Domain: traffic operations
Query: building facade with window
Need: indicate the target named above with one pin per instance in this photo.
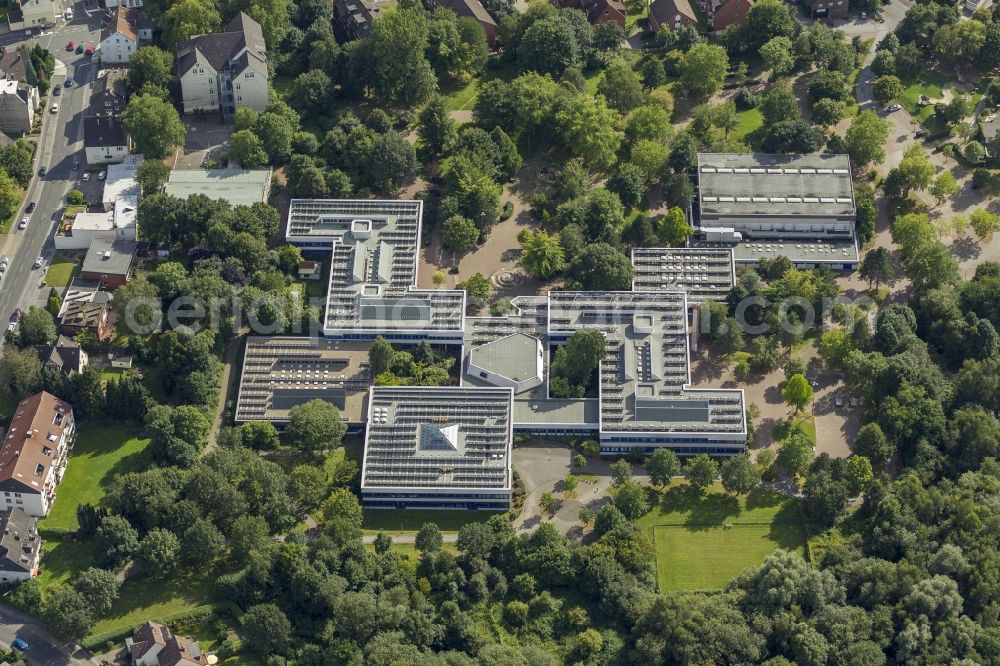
(34, 451)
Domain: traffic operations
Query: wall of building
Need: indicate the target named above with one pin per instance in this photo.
(81, 238)
(498, 500)
(200, 90)
(106, 154)
(16, 115)
(39, 12)
(117, 49)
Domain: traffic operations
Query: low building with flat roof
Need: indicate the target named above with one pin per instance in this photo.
(109, 261)
(700, 273)
(374, 246)
(78, 231)
(515, 361)
(120, 182)
(239, 187)
(280, 372)
(438, 448)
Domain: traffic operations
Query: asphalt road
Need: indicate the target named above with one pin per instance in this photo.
(60, 144)
(43, 649)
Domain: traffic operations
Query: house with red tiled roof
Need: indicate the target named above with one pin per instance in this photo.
(154, 645)
(671, 15)
(597, 11)
(729, 12)
(124, 30)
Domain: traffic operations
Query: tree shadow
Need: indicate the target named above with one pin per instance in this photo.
(965, 248)
(703, 510)
(760, 498)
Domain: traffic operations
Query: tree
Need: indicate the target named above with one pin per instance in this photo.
(246, 150)
(877, 267)
(460, 234)
(99, 589)
(203, 543)
(777, 55)
(150, 65)
(793, 137)
(768, 19)
(396, 51)
(187, 18)
(865, 139)
(630, 499)
(390, 162)
(158, 552)
(153, 124)
(66, 612)
(700, 471)
(797, 392)
(887, 88)
(621, 471)
(550, 45)
(608, 518)
(152, 176)
(581, 355)
(673, 228)
(795, 453)
(548, 502)
(379, 356)
(437, 129)
(570, 484)
(984, 223)
(541, 253)
(266, 629)
(20, 372)
(628, 182)
(621, 87)
(916, 167)
(259, 435)
(779, 103)
(308, 486)
(859, 473)
(477, 287)
(600, 267)
(827, 111)
(315, 426)
(943, 187)
(739, 475)
(588, 128)
(703, 69)
(662, 466)
(37, 327)
(116, 540)
(932, 266)
(428, 539)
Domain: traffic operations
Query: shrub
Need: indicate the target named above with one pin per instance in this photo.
(746, 99)
(74, 198)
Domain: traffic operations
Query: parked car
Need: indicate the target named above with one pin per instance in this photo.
(76, 165)
(89, 50)
(43, 170)
(86, 176)
(15, 316)
(20, 643)
(23, 224)
(54, 108)
(57, 90)
(893, 108)
(11, 328)
(839, 402)
(69, 14)
(919, 133)
(102, 175)
(69, 82)
(30, 208)
(70, 46)
(79, 48)
(38, 262)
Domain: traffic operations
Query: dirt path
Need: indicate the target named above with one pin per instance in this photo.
(229, 385)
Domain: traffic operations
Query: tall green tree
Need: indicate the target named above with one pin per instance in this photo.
(153, 125)
(315, 426)
(541, 253)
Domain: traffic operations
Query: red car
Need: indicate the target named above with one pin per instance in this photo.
(89, 50)
(16, 316)
(70, 46)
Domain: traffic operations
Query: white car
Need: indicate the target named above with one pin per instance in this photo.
(54, 108)
(894, 108)
(69, 14)
(38, 262)
(11, 327)
(86, 176)
(102, 175)
(23, 224)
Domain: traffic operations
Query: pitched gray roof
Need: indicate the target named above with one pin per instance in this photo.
(216, 50)
(103, 131)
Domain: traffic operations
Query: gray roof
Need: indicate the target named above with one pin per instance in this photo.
(19, 540)
(515, 357)
(217, 50)
(103, 131)
(441, 438)
(801, 251)
(280, 372)
(373, 266)
(109, 256)
(701, 273)
(110, 93)
(471, 8)
(240, 187)
(735, 185)
(64, 355)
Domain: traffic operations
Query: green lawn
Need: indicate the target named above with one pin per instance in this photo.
(61, 271)
(102, 453)
(694, 548)
(460, 96)
(707, 559)
(396, 522)
(750, 121)
(927, 82)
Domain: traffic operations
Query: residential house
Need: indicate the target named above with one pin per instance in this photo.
(125, 28)
(33, 453)
(153, 644)
(827, 9)
(597, 11)
(725, 13)
(471, 9)
(353, 18)
(34, 14)
(20, 545)
(104, 140)
(109, 262)
(64, 355)
(109, 96)
(120, 358)
(77, 231)
(224, 71)
(18, 104)
(13, 64)
(86, 308)
(310, 270)
(671, 15)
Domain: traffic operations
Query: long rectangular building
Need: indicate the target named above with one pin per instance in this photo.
(438, 448)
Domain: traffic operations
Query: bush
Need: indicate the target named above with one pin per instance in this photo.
(74, 198)
(746, 99)
(508, 210)
(980, 178)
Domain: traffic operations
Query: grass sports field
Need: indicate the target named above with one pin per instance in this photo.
(704, 540)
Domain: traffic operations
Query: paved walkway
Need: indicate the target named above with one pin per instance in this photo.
(229, 383)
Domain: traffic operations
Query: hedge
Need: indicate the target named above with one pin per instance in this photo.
(98, 641)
